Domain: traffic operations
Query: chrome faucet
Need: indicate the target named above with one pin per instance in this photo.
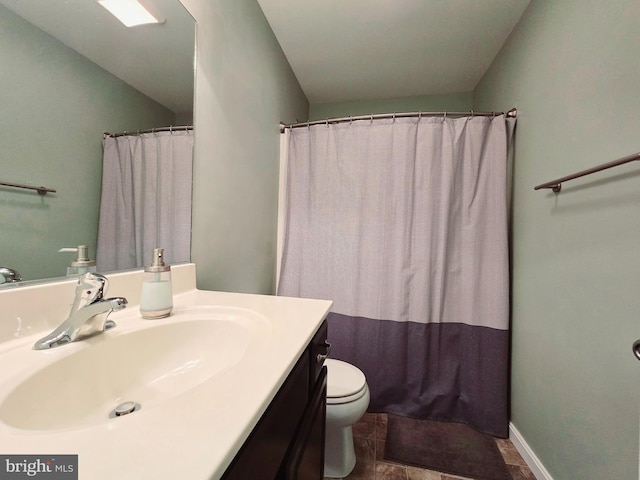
(88, 315)
(10, 275)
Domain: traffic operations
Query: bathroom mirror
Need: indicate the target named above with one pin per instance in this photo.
(70, 72)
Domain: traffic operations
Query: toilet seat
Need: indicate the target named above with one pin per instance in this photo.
(345, 382)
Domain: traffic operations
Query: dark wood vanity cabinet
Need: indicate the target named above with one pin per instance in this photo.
(288, 441)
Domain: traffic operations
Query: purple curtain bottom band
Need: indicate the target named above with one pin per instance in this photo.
(439, 371)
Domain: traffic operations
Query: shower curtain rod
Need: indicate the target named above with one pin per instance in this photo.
(511, 114)
(151, 130)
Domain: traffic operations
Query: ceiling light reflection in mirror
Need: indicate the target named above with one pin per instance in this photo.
(131, 12)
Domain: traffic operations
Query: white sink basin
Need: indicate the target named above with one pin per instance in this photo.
(149, 363)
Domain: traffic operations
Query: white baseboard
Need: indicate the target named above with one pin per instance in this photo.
(534, 463)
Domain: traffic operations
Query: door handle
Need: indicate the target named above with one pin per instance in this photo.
(321, 357)
(636, 349)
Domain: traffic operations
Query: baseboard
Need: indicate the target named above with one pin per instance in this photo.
(534, 463)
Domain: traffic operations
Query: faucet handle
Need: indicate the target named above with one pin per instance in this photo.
(91, 288)
(9, 275)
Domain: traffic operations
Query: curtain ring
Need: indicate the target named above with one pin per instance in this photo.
(419, 115)
(372, 119)
(445, 116)
(471, 113)
(170, 129)
(327, 122)
(350, 120)
(308, 126)
(394, 117)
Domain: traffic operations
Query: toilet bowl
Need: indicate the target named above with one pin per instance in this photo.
(347, 401)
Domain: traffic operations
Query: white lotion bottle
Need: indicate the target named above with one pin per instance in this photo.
(156, 300)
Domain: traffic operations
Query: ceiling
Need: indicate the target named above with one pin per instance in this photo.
(339, 50)
(350, 50)
(136, 55)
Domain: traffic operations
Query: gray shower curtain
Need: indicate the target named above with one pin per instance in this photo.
(403, 224)
(146, 199)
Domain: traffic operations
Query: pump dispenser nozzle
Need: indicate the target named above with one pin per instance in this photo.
(157, 263)
(82, 264)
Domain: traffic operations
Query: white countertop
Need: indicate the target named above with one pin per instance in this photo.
(193, 435)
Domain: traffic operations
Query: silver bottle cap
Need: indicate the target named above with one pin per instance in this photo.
(157, 264)
(83, 257)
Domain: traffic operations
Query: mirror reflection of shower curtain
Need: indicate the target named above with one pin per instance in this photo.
(146, 199)
(403, 224)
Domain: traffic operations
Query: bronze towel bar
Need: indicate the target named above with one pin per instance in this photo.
(556, 185)
(40, 190)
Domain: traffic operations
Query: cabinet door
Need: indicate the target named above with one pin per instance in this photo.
(306, 460)
(261, 456)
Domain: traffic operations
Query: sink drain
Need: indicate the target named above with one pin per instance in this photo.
(125, 409)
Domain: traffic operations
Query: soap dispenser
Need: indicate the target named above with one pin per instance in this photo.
(156, 300)
(81, 264)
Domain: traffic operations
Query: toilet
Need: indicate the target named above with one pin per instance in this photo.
(347, 401)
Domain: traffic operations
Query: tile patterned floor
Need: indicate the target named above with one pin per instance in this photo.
(369, 436)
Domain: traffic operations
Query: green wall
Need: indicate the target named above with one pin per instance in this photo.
(572, 69)
(54, 107)
(244, 88)
(455, 102)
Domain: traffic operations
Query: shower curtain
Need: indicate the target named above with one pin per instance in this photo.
(403, 224)
(146, 199)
